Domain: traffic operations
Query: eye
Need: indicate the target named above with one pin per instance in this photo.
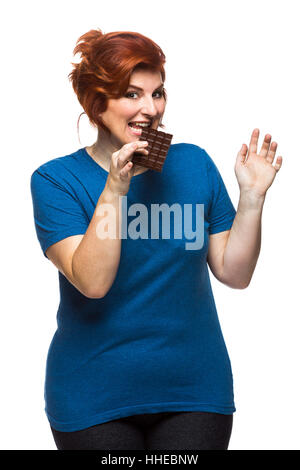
(130, 93)
(135, 93)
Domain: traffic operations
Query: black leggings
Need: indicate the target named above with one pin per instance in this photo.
(188, 430)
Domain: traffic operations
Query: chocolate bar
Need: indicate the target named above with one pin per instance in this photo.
(158, 146)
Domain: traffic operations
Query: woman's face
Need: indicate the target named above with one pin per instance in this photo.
(143, 101)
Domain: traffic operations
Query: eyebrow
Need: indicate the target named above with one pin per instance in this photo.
(141, 89)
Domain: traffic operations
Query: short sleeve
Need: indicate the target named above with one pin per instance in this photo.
(221, 210)
(57, 213)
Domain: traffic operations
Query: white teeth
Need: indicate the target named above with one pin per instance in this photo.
(141, 124)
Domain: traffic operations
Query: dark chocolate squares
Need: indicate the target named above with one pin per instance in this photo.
(158, 146)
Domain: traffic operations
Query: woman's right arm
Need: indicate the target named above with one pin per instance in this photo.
(96, 260)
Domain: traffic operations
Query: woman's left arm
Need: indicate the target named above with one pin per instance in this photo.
(255, 174)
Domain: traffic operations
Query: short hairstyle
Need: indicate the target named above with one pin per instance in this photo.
(107, 61)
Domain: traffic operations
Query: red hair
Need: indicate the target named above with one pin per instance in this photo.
(107, 61)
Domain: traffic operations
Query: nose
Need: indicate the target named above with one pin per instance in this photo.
(149, 106)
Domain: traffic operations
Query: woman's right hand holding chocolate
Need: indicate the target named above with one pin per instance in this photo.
(121, 167)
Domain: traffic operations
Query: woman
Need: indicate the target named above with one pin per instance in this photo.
(138, 360)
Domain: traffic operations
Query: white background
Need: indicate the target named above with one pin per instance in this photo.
(231, 66)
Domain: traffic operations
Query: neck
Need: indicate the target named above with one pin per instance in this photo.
(103, 148)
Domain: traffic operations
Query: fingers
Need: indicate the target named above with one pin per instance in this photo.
(253, 141)
(124, 173)
(271, 152)
(123, 157)
(278, 163)
(125, 154)
(265, 146)
(243, 153)
(268, 150)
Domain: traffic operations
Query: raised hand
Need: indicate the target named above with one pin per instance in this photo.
(256, 172)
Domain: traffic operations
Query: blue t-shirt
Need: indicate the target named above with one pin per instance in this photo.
(153, 343)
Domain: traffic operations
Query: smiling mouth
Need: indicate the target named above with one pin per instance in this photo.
(135, 129)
